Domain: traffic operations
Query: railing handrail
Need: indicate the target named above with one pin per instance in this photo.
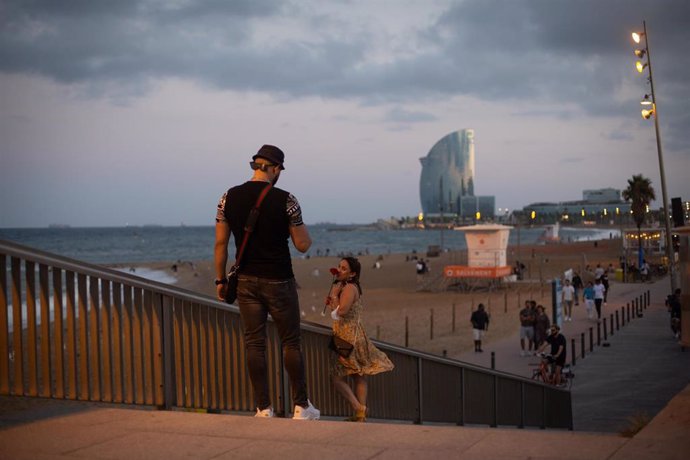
(38, 256)
(186, 326)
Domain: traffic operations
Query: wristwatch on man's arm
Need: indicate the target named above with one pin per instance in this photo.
(221, 281)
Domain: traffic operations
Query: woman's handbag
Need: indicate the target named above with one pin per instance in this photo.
(340, 346)
(231, 286)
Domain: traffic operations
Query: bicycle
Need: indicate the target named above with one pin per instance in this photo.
(543, 372)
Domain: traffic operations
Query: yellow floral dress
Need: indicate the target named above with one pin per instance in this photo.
(365, 358)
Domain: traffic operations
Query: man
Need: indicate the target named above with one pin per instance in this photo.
(558, 352)
(644, 271)
(568, 295)
(674, 309)
(527, 317)
(599, 293)
(578, 285)
(480, 323)
(266, 283)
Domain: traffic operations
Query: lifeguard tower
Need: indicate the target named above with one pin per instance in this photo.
(486, 257)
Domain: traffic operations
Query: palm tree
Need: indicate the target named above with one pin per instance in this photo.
(640, 192)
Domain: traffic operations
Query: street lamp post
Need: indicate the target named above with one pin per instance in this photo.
(655, 113)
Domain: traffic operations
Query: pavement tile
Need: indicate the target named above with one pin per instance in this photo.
(536, 444)
(51, 437)
(169, 446)
(237, 425)
(300, 450)
(415, 436)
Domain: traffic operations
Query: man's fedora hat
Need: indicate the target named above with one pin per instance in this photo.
(272, 154)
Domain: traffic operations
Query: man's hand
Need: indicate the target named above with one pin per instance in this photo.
(220, 291)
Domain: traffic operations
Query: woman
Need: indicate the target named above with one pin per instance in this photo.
(588, 295)
(345, 301)
(599, 296)
(541, 327)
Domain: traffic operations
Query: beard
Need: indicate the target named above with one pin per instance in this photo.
(275, 179)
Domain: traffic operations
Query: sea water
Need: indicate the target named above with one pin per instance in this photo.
(134, 245)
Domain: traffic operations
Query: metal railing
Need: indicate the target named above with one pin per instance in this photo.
(73, 330)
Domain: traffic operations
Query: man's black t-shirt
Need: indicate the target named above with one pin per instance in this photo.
(556, 342)
(267, 254)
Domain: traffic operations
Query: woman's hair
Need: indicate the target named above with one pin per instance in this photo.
(356, 268)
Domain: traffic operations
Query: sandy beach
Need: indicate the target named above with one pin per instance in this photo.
(392, 293)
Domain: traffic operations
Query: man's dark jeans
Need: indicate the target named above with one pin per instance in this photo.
(257, 297)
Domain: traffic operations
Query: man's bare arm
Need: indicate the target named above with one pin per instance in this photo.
(220, 255)
(300, 237)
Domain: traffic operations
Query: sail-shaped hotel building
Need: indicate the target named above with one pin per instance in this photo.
(447, 180)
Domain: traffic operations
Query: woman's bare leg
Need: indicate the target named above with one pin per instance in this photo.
(344, 389)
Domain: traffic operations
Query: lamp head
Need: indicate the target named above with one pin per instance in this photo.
(640, 53)
(637, 36)
(640, 66)
(647, 113)
(646, 100)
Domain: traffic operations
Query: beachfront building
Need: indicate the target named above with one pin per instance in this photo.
(600, 205)
(447, 181)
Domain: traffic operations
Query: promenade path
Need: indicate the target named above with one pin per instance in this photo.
(636, 376)
(643, 370)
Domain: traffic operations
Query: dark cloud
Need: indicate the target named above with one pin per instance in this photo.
(570, 53)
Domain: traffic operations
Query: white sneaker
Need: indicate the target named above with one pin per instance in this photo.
(306, 413)
(266, 413)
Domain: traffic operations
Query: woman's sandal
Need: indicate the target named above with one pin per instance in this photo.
(360, 416)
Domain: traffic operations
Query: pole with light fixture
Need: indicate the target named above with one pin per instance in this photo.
(646, 113)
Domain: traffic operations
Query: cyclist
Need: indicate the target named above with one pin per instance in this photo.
(558, 352)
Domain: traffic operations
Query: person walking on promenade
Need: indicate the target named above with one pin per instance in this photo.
(599, 293)
(578, 285)
(541, 326)
(568, 296)
(266, 283)
(526, 328)
(674, 308)
(605, 283)
(345, 301)
(480, 324)
(644, 271)
(588, 297)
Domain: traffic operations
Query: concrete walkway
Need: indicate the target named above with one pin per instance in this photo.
(643, 371)
(634, 377)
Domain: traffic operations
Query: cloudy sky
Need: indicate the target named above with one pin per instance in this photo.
(146, 111)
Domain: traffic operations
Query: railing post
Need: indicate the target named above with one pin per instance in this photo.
(522, 405)
(598, 334)
(617, 323)
(420, 398)
(605, 329)
(462, 396)
(582, 344)
(167, 348)
(494, 418)
(611, 323)
(572, 344)
(591, 339)
(453, 323)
